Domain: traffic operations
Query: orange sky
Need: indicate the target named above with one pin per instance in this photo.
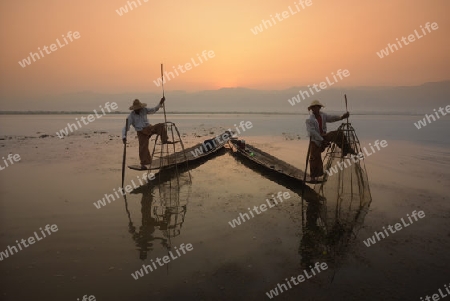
(123, 53)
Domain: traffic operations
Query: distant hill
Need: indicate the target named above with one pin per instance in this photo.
(404, 99)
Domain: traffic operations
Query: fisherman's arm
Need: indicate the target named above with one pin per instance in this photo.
(156, 109)
(334, 118)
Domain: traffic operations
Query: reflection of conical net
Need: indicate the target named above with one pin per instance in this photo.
(170, 204)
(344, 195)
(169, 155)
(162, 210)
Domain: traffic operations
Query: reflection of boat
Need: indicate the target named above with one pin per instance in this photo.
(163, 209)
(281, 179)
(266, 160)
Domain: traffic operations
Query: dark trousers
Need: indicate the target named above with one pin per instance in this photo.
(315, 156)
(144, 137)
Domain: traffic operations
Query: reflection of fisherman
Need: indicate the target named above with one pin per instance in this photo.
(316, 125)
(138, 119)
(313, 238)
(144, 238)
(327, 234)
(317, 241)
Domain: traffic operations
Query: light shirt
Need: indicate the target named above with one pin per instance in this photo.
(139, 121)
(312, 126)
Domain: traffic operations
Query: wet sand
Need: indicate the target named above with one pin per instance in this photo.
(95, 250)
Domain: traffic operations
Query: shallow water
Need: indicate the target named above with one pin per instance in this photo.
(95, 250)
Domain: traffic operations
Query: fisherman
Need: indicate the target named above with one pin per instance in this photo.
(138, 118)
(316, 125)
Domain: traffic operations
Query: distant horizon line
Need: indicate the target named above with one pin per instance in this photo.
(15, 112)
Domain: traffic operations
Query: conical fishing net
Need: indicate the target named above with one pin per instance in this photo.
(343, 198)
(344, 194)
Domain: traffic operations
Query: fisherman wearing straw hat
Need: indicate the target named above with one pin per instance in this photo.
(138, 118)
(316, 125)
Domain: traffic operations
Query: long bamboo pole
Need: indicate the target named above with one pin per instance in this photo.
(124, 152)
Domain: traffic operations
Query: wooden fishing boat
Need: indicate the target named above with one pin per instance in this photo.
(265, 160)
(199, 151)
